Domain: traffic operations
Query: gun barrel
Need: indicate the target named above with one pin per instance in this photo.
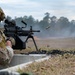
(27, 32)
(35, 31)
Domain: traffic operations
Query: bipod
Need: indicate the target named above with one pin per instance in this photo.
(30, 36)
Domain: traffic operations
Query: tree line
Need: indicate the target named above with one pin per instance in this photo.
(50, 26)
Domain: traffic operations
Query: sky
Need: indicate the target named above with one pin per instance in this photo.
(38, 8)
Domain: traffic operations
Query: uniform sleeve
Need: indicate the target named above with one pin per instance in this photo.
(10, 51)
(2, 40)
(6, 52)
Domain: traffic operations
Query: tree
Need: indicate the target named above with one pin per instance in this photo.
(63, 22)
(45, 22)
(47, 17)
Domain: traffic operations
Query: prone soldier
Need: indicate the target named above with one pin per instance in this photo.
(6, 50)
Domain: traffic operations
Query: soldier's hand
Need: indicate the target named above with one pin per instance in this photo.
(8, 43)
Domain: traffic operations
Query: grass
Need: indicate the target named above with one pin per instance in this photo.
(57, 65)
(62, 61)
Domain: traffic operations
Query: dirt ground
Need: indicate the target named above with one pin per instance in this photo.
(51, 43)
(57, 43)
(58, 64)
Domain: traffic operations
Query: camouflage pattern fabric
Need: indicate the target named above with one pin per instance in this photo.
(2, 40)
(4, 58)
(4, 54)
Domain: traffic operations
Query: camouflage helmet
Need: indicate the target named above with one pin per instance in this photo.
(2, 15)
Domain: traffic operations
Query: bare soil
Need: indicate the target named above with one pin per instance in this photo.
(49, 44)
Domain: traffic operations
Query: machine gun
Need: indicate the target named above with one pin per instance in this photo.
(11, 30)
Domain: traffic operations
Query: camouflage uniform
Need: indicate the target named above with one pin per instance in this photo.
(2, 15)
(6, 52)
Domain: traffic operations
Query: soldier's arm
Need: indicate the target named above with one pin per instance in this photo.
(9, 48)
